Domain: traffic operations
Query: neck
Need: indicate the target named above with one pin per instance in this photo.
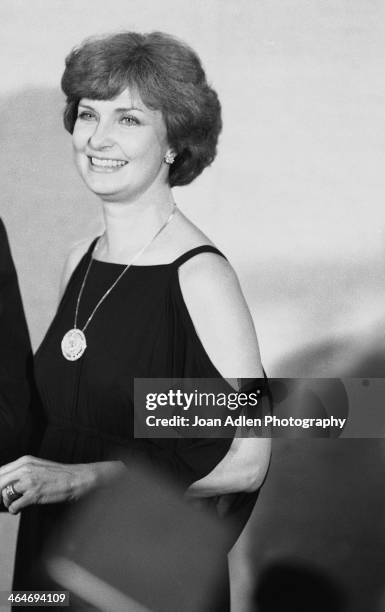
(129, 226)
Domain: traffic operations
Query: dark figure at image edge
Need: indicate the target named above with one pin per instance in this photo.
(15, 360)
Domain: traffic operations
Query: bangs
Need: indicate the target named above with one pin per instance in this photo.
(102, 78)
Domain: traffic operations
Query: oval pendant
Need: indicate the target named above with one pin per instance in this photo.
(73, 344)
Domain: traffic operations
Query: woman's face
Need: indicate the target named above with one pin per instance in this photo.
(119, 147)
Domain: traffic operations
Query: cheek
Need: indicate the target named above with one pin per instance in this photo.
(79, 159)
(143, 144)
(80, 137)
(76, 143)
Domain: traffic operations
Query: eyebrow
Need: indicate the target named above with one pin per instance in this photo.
(116, 110)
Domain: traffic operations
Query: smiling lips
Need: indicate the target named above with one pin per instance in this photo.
(107, 165)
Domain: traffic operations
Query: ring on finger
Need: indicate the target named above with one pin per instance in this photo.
(11, 493)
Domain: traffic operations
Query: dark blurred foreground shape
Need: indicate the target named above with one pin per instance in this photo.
(316, 539)
(292, 587)
(137, 546)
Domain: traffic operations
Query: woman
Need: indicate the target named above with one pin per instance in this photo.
(151, 297)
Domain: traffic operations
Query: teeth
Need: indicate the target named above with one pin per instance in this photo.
(107, 163)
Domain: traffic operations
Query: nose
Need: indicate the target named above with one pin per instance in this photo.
(101, 137)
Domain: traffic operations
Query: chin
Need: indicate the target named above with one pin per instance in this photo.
(111, 197)
(107, 194)
(102, 188)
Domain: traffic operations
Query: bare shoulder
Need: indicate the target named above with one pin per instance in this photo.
(74, 256)
(210, 271)
(183, 235)
(218, 309)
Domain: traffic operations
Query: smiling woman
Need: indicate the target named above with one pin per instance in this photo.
(143, 119)
(163, 74)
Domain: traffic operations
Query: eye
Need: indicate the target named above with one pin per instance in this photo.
(86, 115)
(129, 120)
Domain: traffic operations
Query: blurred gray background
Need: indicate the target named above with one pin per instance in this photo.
(296, 201)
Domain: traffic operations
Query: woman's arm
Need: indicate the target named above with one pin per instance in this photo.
(221, 316)
(223, 322)
(243, 468)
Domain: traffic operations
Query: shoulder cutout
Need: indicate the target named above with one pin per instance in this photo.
(222, 320)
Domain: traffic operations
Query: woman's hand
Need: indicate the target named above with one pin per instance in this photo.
(39, 481)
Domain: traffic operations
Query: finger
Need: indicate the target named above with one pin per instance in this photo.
(4, 497)
(6, 500)
(24, 466)
(14, 476)
(26, 460)
(23, 462)
(29, 481)
(26, 500)
(35, 469)
(8, 467)
(10, 494)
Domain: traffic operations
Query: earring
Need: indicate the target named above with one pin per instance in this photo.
(169, 158)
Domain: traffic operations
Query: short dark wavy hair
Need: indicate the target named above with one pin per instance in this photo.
(168, 76)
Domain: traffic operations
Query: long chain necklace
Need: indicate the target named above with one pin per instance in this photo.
(74, 341)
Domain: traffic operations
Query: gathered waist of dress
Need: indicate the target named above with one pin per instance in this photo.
(64, 425)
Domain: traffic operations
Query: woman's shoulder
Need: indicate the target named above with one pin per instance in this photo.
(185, 239)
(77, 251)
(213, 296)
(75, 254)
(214, 299)
(196, 255)
(202, 268)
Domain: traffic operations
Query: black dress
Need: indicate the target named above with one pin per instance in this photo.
(142, 329)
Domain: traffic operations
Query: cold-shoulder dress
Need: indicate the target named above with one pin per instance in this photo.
(142, 329)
